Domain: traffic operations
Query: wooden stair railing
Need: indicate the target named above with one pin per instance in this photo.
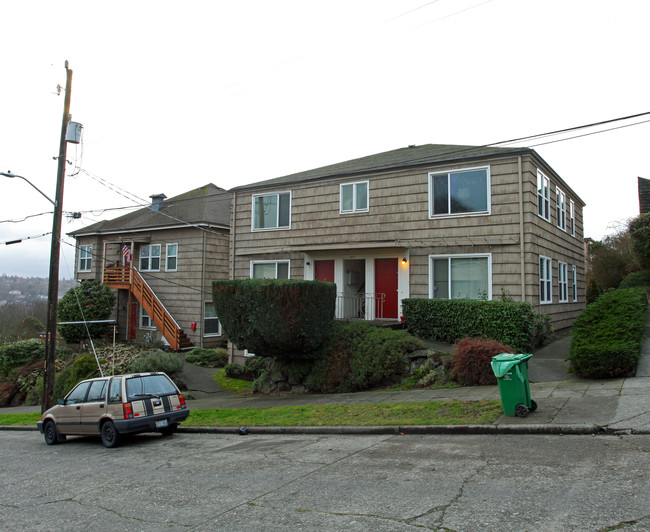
(130, 278)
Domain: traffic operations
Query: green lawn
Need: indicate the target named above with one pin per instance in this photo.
(429, 413)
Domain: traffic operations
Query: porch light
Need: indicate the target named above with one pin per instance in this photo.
(404, 261)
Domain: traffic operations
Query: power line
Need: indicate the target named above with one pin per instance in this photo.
(25, 218)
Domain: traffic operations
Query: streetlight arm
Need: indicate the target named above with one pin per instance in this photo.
(9, 174)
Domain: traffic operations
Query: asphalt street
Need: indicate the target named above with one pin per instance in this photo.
(326, 482)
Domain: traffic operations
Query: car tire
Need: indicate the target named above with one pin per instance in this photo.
(169, 430)
(51, 434)
(109, 434)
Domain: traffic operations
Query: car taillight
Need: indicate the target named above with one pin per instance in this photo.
(182, 400)
(128, 410)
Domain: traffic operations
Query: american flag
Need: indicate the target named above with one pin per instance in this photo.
(126, 252)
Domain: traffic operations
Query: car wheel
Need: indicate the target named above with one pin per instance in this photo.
(169, 430)
(52, 436)
(110, 436)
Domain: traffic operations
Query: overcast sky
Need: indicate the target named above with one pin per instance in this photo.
(175, 95)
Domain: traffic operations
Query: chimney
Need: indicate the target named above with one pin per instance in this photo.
(157, 201)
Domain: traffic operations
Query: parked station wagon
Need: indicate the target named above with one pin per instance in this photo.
(111, 407)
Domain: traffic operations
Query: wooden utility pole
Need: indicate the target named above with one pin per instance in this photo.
(53, 285)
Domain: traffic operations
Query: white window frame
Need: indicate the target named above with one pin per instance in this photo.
(168, 256)
(560, 199)
(276, 262)
(547, 292)
(144, 318)
(543, 196)
(574, 268)
(460, 214)
(277, 227)
(563, 281)
(206, 318)
(572, 217)
(460, 256)
(150, 256)
(355, 197)
(85, 258)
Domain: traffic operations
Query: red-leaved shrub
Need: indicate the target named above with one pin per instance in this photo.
(471, 361)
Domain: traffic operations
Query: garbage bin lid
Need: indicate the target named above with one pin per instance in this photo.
(503, 363)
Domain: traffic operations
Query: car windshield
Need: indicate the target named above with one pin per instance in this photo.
(149, 386)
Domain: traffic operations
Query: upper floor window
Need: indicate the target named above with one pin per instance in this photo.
(270, 270)
(272, 211)
(354, 197)
(545, 280)
(150, 258)
(572, 217)
(171, 257)
(459, 192)
(460, 277)
(561, 208)
(85, 258)
(543, 196)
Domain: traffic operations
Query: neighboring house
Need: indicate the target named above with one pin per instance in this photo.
(176, 247)
(432, 221)
(644, 195)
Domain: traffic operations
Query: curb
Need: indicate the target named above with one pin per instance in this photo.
(395, 430)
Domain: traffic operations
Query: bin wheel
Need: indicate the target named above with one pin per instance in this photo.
(521, 410)
(533, 405)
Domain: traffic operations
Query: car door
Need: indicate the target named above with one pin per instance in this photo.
(68, 415)
(94, 407)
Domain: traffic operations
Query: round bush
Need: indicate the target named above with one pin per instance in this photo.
(158, 360)
(471, 361)
(208, 358)
(85, 367)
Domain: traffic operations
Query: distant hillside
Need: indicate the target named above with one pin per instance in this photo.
(14, 289)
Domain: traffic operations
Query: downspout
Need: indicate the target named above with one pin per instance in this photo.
(521, 230)
(233, 234)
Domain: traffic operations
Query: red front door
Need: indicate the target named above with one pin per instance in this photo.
(386, 283)
(324, 270)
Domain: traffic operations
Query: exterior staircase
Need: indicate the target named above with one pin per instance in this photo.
(129, 278)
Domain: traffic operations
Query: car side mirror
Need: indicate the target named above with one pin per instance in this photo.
(61, 402)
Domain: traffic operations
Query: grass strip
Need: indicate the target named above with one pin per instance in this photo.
(233, 385)
(429, 413)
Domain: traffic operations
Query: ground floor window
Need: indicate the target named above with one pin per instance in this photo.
(145, 320)
(545, 280)
(211, 325)
(460, 276)
(563, 282)
(270, 269)
(575, 283)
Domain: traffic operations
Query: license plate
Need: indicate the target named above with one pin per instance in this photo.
(161, 424)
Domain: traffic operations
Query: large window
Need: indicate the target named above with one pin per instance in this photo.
(354, 197)
(459, 192)
(543, 196)
(561, 208)
(270, 270)
(272, 211)
(85, 258)
(460, 277)
(150, 258)
(545, 280)
(563, 282)
(171, 257)
(211, 325)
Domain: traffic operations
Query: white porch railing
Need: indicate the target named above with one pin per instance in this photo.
(360, 306)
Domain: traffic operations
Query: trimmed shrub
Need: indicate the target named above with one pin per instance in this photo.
(85, 367)
(449, 320)
(158, 360)
(97, 302)
(471, 361)
(358, 356)
(252, 369)
(285, 319)
(607, 336)
(637, 280)
(207, 358)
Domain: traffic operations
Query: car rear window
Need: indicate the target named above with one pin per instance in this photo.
(146, 385)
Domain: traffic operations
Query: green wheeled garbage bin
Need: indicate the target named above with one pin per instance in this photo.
(511, 372)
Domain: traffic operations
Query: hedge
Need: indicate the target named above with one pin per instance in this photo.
(286, 319)
(449, 320)
(607, 336)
